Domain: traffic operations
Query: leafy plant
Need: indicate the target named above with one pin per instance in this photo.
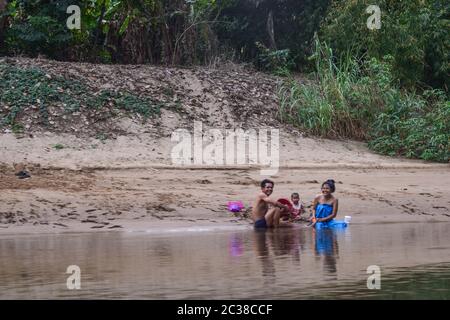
(362, 100)
(23, 89)
(415, 128)
(58, 146)
(276, 61)
(414, 33)
(39, 27)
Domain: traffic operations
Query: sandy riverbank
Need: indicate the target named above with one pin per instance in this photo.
(378, 190)
(93, 172)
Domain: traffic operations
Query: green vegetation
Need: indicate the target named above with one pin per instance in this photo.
(388, 87)
(22, 89)
(415, 127)
(247, 31)
(277, 35)
(58, 146)
(17, 128)
(35, 27)
(414, 32)
(337, 102)
(277, 61)
(113, 31)
(156, 31)
(362, 100)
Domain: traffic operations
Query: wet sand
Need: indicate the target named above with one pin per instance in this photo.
(150, 199)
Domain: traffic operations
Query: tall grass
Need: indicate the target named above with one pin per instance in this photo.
(337, 102)
(359, 99)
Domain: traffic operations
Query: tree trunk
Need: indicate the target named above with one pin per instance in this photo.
(98, 30)
(3, 4)
(271, 32)
(3, 22)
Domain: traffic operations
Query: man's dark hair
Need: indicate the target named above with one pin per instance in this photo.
(263, 183)
(295, 195)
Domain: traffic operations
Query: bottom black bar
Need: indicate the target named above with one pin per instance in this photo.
(217, 309)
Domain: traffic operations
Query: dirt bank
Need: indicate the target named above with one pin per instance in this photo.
(118, 173)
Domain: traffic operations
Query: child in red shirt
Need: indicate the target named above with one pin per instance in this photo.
(298, 206)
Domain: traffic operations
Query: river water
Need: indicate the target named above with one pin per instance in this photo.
(232, 263)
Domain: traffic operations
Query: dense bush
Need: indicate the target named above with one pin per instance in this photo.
(170, 32)
(374, 85)
(271, 33)
(362, 100)
(118, 31)
(414, 32)
(245, 29)
(38, 27)
(415, 127)
(382, 86)
(279, 62)
(340, 100)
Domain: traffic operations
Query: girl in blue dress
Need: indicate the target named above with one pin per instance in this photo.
(325, 206)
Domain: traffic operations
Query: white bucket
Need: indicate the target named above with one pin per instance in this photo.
(347, 219)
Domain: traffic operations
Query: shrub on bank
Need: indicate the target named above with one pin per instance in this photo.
(360, 99)
(415, 127)
(414, 32)
(32, 90)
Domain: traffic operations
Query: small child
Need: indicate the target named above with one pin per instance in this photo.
(298, 206)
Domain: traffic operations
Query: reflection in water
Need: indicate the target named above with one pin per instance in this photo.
(326, 245)
(262, 251)
(279, 242)
(273, 243)
(288, 263)
(236, 245)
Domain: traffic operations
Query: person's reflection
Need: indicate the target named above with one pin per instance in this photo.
(286, 242)
(262, 252)
(270, 243)
(326, 245)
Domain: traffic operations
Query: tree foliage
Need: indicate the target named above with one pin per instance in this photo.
(123, 31)
(274, 34)
(295, 22)
(388, 86)
(158, 31)
(414, 32)
(361, 99)
(35, 26)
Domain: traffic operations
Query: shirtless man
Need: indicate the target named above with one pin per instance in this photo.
(261, 214)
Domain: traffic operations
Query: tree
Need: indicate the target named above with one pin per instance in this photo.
(414, 32)
(3, 21)
(278, 24)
